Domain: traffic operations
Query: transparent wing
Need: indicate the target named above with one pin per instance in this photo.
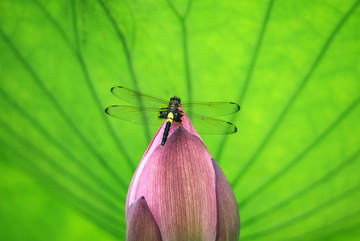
(136, 115)
(137, 98)
(203, 124)
(211, 108)
(211, 126)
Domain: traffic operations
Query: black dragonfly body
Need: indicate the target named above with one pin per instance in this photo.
(150, 109)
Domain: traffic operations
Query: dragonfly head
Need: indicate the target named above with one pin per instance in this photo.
(176, 99)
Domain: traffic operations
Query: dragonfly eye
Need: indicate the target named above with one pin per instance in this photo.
(175, 98)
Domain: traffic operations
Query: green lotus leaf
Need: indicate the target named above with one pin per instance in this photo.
(293, 67)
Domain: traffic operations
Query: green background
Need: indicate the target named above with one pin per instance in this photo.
(292, 65)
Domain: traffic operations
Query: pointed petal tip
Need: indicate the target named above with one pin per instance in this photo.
(139, 202)
(228, 225)
(140, 223)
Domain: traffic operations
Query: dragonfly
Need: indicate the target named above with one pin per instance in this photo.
(149, 109)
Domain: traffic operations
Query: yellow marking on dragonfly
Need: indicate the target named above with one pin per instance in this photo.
(170, 117)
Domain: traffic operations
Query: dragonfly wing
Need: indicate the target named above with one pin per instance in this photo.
(211, 108)
(137, 98)
(212, 126)
(134, 114)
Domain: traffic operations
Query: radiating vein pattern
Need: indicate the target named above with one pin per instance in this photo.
(292, 66)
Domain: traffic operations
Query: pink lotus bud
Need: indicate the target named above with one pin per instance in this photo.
(179, 193)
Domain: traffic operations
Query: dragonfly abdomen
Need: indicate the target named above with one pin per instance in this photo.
(169, 121)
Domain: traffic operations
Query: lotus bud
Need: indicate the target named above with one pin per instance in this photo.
(179, 192)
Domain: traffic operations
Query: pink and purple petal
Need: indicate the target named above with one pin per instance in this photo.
(228, 220)
(155, 143)
(178, 182)
(140, 223)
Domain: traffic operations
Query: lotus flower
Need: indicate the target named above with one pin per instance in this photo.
(179, 192)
